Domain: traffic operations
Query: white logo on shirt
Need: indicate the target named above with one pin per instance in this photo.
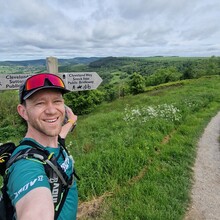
(25, 187)
(65, 165)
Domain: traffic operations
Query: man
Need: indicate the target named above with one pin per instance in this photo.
(42, 107)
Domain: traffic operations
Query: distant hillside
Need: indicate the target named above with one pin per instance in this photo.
(78, 60)
(42, 62)
(112, 62)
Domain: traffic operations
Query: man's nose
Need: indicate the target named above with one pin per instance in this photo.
(50, 108)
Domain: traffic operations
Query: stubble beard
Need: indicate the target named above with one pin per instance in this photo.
(44, 130)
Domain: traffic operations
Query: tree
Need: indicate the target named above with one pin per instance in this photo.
(137, 83)
(163, 75)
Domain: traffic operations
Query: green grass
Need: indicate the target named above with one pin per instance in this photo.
(146, 166)
(140, 150)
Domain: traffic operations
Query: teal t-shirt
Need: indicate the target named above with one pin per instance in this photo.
(28, 174)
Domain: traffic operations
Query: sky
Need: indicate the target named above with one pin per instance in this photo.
(36, 29)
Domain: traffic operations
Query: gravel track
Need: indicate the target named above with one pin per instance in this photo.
(206, 188)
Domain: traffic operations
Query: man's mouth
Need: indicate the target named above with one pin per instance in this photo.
(51, 120)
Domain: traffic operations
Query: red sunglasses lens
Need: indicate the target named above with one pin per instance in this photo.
(38, 81)
(56, 81)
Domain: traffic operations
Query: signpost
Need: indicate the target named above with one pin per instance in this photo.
(81, 81)
(12, 81)
(75, 81)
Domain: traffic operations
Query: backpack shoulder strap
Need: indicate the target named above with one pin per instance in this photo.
(48, 158)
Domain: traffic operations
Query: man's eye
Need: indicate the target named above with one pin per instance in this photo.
(58, 101)
(39, 103)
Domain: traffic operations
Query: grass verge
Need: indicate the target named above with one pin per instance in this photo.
(141, 150)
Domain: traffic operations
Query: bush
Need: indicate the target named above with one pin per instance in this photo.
(163, 76)
(137, 84)
(83, 102)
(11, 125)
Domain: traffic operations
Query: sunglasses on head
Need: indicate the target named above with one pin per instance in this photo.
(38, 80)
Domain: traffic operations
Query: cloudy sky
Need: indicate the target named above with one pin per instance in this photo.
(36, 29)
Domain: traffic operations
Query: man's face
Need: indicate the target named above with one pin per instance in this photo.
(45, 112)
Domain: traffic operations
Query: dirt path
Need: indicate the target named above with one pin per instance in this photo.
(206, 189)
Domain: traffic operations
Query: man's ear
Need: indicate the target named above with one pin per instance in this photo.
(22, 111)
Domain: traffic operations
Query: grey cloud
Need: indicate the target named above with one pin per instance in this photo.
(104, 28)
